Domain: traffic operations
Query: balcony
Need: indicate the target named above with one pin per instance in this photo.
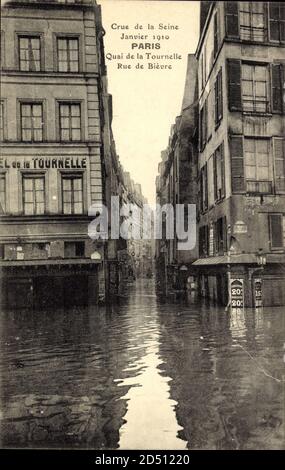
(258, 187)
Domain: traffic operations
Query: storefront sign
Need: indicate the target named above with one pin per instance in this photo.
(240, 227)
(237, 293)
(258, 292)
(43, 163)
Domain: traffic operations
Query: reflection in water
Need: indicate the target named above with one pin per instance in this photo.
(143, 374)
(150, 419)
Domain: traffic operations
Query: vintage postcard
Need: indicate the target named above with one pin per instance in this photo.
(142, 227)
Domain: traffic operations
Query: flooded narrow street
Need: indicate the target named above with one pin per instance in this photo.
(143, 374)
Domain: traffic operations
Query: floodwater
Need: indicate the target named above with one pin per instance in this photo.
(143, 374)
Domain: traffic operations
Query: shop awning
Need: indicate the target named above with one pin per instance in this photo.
(232, 259)
(49, 262)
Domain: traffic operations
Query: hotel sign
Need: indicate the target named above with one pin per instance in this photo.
(45, 163)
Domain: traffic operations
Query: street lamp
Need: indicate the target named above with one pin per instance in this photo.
(261, 259)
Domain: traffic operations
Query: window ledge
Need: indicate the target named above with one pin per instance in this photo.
(256, 113)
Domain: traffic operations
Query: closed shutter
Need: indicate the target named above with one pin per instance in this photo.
(215, 176)
(219, 98)
(223, 187)
(206, 185)
(201, 124)
(237, 164)
(220, 94)
(276, 230)
(279, 164)
(225, 234)
(216, 101)
(215, 235)
(276, 85)
(234, 85)
(232, 19)
(274, 15)
(206, 121)
(200, 191)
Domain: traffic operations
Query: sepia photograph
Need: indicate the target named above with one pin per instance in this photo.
(142, 228)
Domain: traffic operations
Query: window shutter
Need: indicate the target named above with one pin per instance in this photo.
(215, 175)
(237, 165)
(282, 22)
(200, 193)
(206, 121)
(274, 21)
(276, 230)
(234, 85)
(279, 164)
(225, 234)
(223, 192)
(206, 186)
(220, 95)
(276, 85)
(232, 19)
(201, 119)
(215, 238)
(216, 101)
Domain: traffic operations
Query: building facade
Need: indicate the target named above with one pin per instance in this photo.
(54, 154)
(138, 255)
(177, 184)
(241, 164)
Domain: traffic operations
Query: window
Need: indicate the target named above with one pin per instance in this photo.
(203, 125)
(1, 121)
(204, 189)
(68, 54)
(2, 251)
(203, 241)
(219, 98)
(257, 167)
(255, 93)
(29, 53)
(34, 194)
(31, 122)
(2, 50)
(72, 194)
(216, 32)
(74, 249)
(252, 21)
(277, 21)
(2, 193)
(220, 236)
(276, 227)
(219, 173)
(70, 121)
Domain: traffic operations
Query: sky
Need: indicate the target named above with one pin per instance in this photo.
(146, 102)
